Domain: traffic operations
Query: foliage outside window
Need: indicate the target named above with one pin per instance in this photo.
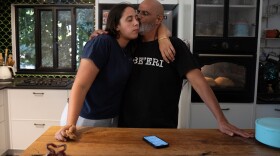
(51, 38)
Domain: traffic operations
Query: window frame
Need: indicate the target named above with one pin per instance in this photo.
(38, 62)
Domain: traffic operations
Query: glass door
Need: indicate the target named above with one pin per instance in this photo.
(209, 18)
(242, 18)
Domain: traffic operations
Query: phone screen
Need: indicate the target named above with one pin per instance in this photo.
(155, 141)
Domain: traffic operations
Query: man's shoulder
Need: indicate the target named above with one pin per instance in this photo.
(178, 42)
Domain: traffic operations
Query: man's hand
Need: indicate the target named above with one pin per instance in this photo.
(96, 33)
(65, 133)
(231, 130)
(166, 49)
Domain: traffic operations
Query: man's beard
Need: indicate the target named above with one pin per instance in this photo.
(144, 28)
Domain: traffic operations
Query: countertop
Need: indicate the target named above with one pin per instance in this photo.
(128, 141)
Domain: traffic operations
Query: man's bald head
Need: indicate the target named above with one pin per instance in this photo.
(156, 6)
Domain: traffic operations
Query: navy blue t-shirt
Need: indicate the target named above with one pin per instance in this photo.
(104, 96)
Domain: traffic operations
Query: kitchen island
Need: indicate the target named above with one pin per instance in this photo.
(129, 141)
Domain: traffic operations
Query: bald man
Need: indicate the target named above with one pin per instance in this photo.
(153, 90)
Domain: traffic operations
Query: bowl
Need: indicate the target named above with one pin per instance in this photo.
(268, 131)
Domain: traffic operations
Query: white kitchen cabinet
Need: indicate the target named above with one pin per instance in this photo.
(32, 112)
(267, 110)
(238, 114)
(3, 123)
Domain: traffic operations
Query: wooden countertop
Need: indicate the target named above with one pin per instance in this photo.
(128, 141)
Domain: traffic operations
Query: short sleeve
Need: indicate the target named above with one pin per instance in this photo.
(184, 59)
(98, 50)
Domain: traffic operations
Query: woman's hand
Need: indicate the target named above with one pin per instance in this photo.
(166, 49)
(231, 130)
(96, 33)
(65, 133)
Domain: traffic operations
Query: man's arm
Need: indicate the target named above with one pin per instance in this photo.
(200, 85)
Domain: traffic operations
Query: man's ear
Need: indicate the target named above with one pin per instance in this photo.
(159, 19)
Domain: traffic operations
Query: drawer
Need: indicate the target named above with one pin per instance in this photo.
(36, 104)
(2, 117)
(240, 115)
(24, 133)
(267, 110)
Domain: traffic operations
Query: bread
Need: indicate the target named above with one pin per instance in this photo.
(224, 82)
(71, 135)
(210, 81)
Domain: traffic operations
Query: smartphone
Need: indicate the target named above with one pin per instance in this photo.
(155, 141)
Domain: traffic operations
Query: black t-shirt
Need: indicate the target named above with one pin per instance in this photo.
(105, 94)
(152, 94)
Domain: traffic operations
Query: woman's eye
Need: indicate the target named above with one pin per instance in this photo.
(129, 19)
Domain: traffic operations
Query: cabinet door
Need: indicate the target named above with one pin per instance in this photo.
(3, 125)
(3, 137)
(240, 115)
(24, 133)
(209, 18)
(242, 18)
(1, 97)
(31, 112)
(227, 27)
(267, 110)
(36, 104)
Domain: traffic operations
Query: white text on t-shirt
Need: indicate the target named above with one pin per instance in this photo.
(148, 61)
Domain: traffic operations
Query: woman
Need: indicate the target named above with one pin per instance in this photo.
(104, 69)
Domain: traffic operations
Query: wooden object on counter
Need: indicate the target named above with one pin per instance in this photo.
(129, 141)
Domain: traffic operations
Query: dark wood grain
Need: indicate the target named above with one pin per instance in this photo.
(128, 141)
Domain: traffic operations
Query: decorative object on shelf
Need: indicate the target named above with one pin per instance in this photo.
(274, 33)
(241, 29)
(270, 72)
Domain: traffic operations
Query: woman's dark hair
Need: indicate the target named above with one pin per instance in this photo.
(114, 17)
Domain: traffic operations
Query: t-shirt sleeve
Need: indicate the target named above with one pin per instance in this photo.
(98, 50)
(184, 59)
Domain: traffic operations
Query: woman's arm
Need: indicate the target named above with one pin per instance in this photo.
(165, 46)
(85, 76)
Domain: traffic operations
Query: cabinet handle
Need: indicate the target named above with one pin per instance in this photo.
(35, 124)
(34, 93)
(225, 45)
(225, 109)
(276, 109)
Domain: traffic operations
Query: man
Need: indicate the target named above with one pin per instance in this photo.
(153, 91)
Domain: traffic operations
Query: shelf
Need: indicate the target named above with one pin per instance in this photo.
(242, 6)
(270, 38)
(270, 47)
(210, 5)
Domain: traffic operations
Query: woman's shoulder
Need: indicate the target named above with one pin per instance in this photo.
(102, 37)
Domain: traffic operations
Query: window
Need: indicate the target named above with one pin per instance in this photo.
(50, 38)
